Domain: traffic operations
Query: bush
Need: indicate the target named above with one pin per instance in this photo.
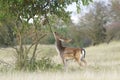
(44, 64)
(47, 64)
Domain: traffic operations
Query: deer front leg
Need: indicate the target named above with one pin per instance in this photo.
(64, 63)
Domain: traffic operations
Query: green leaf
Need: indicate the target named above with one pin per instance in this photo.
(86, 2)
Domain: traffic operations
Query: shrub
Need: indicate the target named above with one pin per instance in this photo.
(43, 64)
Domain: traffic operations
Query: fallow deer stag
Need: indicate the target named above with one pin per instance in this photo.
(67, 53)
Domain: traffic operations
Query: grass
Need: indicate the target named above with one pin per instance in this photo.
(103, 64)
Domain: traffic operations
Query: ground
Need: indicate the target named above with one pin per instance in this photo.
(103, 64)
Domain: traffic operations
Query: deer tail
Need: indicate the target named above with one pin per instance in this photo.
(83, 53)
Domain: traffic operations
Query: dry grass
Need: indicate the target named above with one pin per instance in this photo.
(86, 75)
(103, 64)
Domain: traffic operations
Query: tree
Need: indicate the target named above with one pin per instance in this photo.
(113, 28)
(6, 33)
(93, 22)
(40, 11)
(115, 10)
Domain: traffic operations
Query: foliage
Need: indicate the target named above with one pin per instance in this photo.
(113, 31)
(6, 32)
(27, 9)
(47, 64)
(92, 23)
(113, 28)
(115, 10)
(5, 38)
(43, 64)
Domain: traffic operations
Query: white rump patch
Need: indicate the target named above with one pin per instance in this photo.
(83, 54)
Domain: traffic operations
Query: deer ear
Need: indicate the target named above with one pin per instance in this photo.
(61, 40)
(69, 40)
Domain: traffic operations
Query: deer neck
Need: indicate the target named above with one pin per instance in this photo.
(59, 45)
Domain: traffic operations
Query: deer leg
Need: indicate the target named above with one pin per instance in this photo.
(65, 64)
(78, 61)
(77, 58)
(84, 61)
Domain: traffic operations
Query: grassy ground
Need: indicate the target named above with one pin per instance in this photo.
(103, 64)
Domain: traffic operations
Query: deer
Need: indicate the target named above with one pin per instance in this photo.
(67, 53)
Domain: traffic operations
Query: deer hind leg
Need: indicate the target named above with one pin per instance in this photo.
(78, 61)
(84, 61)
(82, 57)
(77, 58)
